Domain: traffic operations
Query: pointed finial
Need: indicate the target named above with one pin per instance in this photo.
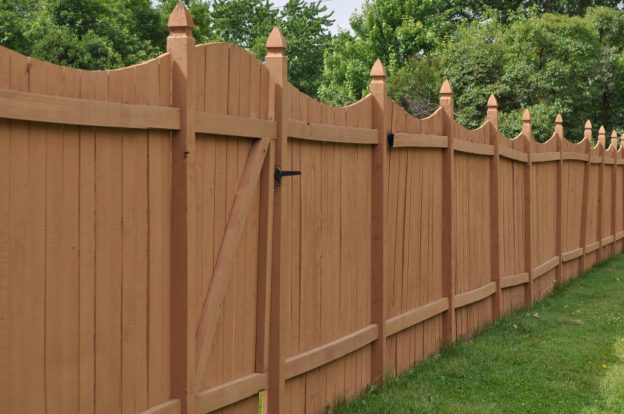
(276, 42)
(446, 88)
(526, 124)
(602, 135)
(559, 125)
(378, 71)
(492, 110)
(446, 98)
(180, 20)
(588, 130)
(492, 102)
(613, 142)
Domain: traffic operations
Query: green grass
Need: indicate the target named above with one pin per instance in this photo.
(563, 355)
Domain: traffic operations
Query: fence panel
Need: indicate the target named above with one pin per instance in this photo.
(511, 192)
(573, 192)
(330, 244)
(87, 247)
(414, 268)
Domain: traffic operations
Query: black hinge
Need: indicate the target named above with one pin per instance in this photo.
(390, 139)
(279, 174)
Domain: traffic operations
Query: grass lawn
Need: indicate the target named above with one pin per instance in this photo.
(563, 355)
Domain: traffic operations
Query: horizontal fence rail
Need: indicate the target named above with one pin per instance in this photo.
(194, 234)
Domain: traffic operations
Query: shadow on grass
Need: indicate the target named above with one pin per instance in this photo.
(563, 355)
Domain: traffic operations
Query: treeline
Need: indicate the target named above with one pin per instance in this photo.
(550, 56)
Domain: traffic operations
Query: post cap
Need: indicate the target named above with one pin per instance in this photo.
(526, 116)
(378, 71)
(180, 19)
(559, 119)
(276, 40)
(492, 102)
(446, 88)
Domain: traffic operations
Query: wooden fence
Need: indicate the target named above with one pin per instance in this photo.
(152, 258)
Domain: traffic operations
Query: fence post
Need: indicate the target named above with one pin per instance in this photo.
(621, 184)
(448, 216)
(587, 135)
(602, 136)
(181, 44)
(379, 90)
(559, 200)
(279, 111)
(495, 250)
(528, 180)
(613, 151)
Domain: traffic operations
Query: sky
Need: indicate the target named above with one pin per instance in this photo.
(342, 11)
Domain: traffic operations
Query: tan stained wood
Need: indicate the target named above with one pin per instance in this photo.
(329, 352)
(575, 156)
(168, 407)
(213, 303)
(513, 154)
(416, 316)
(545, 157)
(407, 140)
(545, 267)
(475, 148)
(234, 126)
(72, 111)
(331, 133)
(514, 280)
(231, 392)
(572, 254)
(475, 295)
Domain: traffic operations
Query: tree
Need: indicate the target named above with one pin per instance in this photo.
(306, 29)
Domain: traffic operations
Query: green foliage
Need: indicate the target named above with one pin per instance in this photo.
(306, 29)
(346, 70)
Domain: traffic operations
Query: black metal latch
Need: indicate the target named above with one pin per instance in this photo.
(279, 174)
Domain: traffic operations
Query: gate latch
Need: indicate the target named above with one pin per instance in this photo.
(279, 174)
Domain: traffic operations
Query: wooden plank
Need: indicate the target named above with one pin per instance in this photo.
(608, 240)
(468, 147)
(329, 352)
(406, 140)
(496, 248)
(513, 154)
(595, 159)
(168, 407)
(619, 235)
(108, 261)
(592, 247)
(159, 294)
(71, 111)
(235, 126)
(574, 156)
(213, 303)
(514, 280)
(571, 255)
(231, 392)
(545, 267)
(545, 157)
(93, 85)
(475, 295)
(415, 316)
(331, 133)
